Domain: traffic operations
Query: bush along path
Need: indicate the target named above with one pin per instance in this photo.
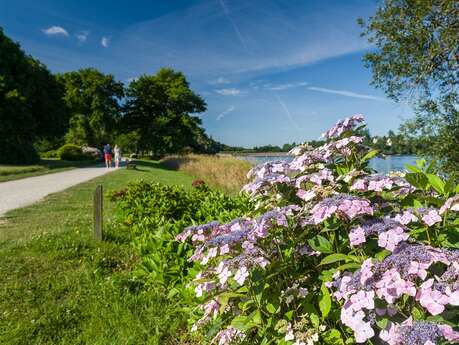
(332, 254)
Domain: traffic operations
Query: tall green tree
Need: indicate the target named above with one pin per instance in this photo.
(31, 106)
(417, 59)
(160, 107)
(93, 99)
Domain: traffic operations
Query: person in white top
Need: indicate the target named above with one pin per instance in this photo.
(117, 156)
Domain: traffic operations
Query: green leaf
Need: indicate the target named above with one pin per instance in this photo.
(332, 337)
(350, 265)
(382, 254)
(270, 308)
(418, 180)
(325, 301)
(321, 244)
(333, 258)
(370, 155)
(242, 323)
(437, 183)
(314, 320)
(382, 323)
(413, 168)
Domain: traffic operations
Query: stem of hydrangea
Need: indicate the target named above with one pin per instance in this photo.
(428, 235)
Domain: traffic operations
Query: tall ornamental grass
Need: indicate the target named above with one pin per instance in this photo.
(225, 173)
(333, 253)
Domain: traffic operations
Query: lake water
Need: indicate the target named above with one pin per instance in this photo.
(381, 165)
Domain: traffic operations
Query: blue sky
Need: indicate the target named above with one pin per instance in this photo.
(271, 71)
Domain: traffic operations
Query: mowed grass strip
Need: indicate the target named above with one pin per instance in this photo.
(59, 286)
(45, 166)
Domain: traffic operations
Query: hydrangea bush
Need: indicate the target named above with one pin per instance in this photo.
(333, 253)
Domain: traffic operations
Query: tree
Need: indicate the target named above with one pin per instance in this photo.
(417, 59)
(159, 107)
(31, 106)
(93, 100)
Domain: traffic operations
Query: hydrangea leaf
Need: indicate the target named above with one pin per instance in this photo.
(325, 301)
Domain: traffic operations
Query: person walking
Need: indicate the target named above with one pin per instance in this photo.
(108, 155)
(117, 156)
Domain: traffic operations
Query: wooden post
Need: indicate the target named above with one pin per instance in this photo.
(98, 212)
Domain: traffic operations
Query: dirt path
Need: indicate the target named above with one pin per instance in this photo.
(23, 192)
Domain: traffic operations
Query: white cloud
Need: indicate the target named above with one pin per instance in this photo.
(105, 41)
(280, 87)
(219, 81)
(228, 92)
(55, 30)
(346, 93)
(82, 36)
(226, 112)
(267, 36)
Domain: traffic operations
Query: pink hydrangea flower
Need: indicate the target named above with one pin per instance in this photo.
(406, 217)
(241, 275)
(450, 204)
(357, 236)
(429, 216)
(391, 238)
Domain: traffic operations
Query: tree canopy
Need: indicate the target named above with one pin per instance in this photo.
(93, 101)
(31, 105)
(160, 107)
(417, 60)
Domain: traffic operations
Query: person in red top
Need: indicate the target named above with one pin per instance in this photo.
(108, 155)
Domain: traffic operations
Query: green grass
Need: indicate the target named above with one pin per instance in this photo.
(59, 286)
(46, 166)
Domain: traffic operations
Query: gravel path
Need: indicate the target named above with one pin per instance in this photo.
(20, 193)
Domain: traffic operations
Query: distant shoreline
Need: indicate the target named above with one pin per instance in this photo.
(254, 154)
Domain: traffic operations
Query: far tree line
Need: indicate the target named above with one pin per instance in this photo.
(40, 111)
(390, 144)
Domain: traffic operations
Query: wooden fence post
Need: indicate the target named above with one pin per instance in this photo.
(98, 212)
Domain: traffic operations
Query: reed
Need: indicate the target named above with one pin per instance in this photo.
(223, 172)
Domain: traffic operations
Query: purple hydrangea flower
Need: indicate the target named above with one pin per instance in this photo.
(228, 336)
(450, 204)
(390, 233)
(342, 204)
(429, 216)
(343, 126)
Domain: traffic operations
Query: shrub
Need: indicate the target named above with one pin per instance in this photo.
(154, 214)
(50, 154)
(333, 254)
(71, 152)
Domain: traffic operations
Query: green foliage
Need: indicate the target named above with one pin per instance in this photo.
(93, 101)
(153, 214)
(71, 152)
(159, 108)
(30, 104)
(50, 154)
(416, 59)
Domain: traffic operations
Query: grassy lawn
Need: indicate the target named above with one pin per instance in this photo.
(59, 286)
(46, 166)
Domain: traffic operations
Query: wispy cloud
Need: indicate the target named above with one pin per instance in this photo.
(105, 41)
(346, 93)
(226, 112)
(233, 24)
(219, 81)
(228, 92)
(287, 112)
(55, 31)
(277, 37)
(280, 87)
(82, 36)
